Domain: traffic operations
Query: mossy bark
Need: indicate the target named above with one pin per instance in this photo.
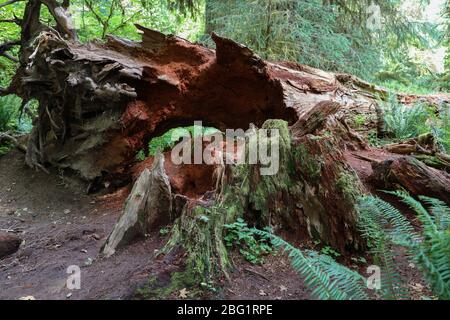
(313, 195)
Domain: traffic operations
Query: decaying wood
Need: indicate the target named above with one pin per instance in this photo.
(16, 141)
(315, 118)
(100, 103)
(413, 176)
(148, 206)
(423, 148)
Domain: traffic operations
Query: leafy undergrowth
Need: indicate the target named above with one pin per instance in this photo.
(386, 230)
(253, 248)
(11, 119)
(169, 139)
(403, 122)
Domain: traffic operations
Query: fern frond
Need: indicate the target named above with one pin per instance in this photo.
(378, 217)
(440, 211)
(421, 212)
(327, 279)
(382, 224)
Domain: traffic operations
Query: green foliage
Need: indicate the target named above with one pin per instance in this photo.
(404, 121)
(440, 126)
(253, 248)
(329, 251)
(333, 35)
(168, 140)
(140, 156)
(10, 118)
(303, 31)
(4, 149)
(164, 231)
(96, 19)
(327, 279)
(359, 120)
(9, 106)
(385, 227)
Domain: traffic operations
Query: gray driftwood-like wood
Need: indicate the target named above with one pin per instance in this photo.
(148, 206)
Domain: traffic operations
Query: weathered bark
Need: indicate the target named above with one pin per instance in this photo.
(413, 176)
(423, 148)
(148, 206)
(8, 244)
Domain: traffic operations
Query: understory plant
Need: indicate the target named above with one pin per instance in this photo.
(252, 247)
(404, 122)
(169, 139)
(410, 121)
(327, 279)
(9, 106)
(387, 230)
(441, 127)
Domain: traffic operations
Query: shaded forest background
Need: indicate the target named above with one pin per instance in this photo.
(333, 35)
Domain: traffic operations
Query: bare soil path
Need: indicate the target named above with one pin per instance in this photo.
(62, 226)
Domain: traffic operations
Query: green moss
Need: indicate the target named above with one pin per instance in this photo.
(358, 121)
(266, 189)
(348, 185)
(309, 165)
(433, 161)
(200, 230)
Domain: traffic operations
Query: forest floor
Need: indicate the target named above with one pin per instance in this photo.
(62, 226)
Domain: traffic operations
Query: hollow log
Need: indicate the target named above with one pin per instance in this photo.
(100, 103)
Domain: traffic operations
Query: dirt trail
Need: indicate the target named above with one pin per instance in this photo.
(62, 226)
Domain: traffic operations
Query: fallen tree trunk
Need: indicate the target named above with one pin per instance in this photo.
(423, 148)
(100, 103)
(413, 176)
